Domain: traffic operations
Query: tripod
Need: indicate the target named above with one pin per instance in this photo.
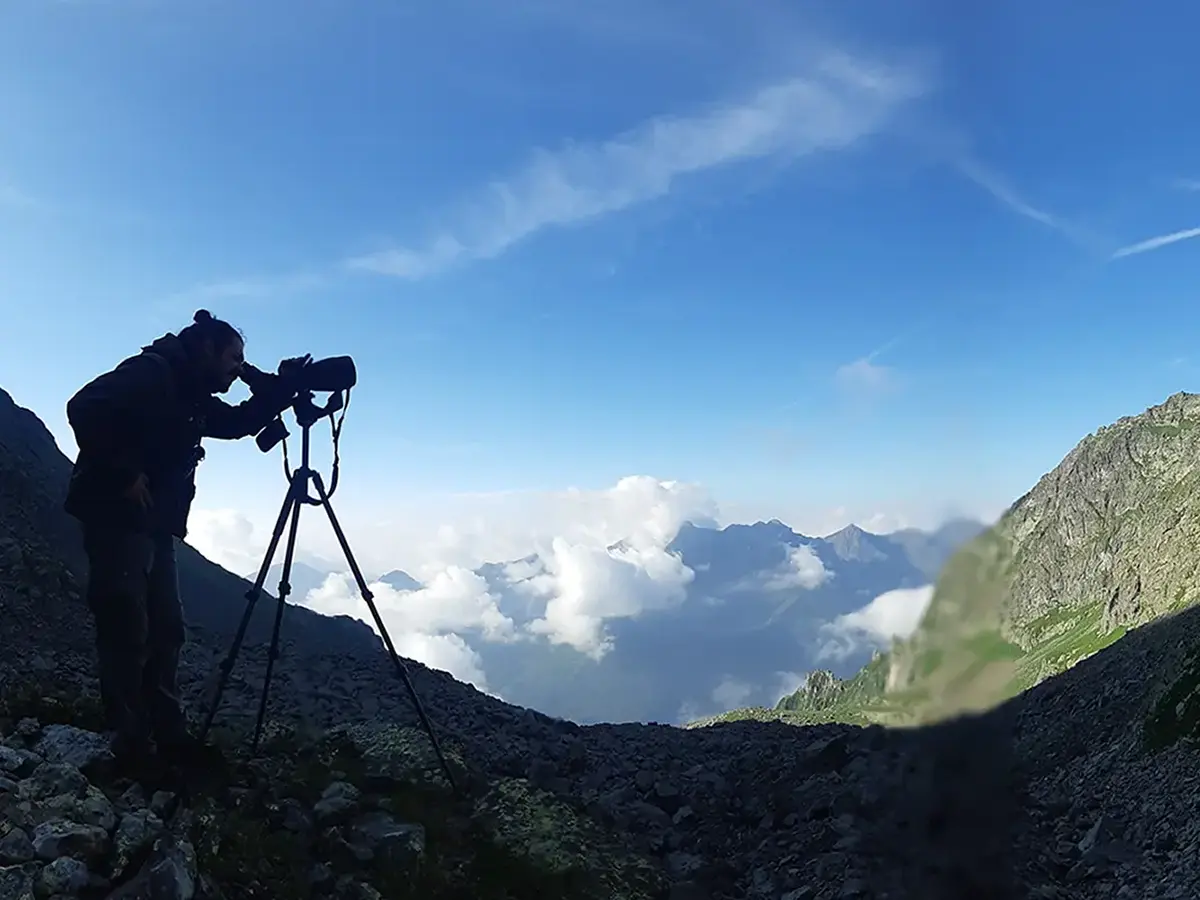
(307, 414)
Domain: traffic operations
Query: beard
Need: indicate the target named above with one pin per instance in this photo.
(220, 384)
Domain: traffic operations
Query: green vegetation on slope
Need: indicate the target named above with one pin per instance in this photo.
(1107, 541)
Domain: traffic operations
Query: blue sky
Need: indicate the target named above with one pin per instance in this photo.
(856, 256)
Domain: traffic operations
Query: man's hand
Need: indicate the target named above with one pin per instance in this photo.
(139, 492)
(293, 366)
(255, 378)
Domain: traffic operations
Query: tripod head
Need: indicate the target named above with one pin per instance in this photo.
(307, 414)
(335, 374)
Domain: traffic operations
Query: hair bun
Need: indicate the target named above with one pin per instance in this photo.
(202, 315)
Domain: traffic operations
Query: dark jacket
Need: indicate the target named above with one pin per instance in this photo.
(148, 415)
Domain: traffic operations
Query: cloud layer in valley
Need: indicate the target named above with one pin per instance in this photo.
(585, 571)
(894, 614)
(592, 557)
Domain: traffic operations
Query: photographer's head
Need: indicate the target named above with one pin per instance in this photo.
(217, 347)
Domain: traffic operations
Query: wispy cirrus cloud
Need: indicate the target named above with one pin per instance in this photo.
(250, 288)
(1186, 184)
(1003, 192)
(1163, 240)
(12, 197)
(836, 103)
(864, 376)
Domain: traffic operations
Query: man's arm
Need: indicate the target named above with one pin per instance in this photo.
(104, 414)
(227, 422)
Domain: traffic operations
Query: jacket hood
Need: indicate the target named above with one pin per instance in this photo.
(181, 360)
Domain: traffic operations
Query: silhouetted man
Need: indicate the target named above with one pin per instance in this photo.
(139, 430)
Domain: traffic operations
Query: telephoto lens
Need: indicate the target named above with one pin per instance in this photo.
(334, 373)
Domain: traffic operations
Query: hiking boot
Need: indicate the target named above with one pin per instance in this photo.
(137, 762)
(188, 752)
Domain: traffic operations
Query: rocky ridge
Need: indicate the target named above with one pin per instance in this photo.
(1082, 787)
(1103, 543)
(743, 811)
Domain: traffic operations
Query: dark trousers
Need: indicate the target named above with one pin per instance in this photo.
(133, 593)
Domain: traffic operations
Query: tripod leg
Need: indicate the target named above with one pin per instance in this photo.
(401, 670)
(284, 589)
(252, 596)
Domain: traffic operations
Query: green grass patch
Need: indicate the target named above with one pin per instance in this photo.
(929, 661)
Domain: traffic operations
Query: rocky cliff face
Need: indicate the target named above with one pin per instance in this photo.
(1114, 527)
(1106, 542)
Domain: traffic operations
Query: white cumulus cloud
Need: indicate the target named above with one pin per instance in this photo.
(586, 585)
(891, 615)
(227, 537)
(593, 556)
(803, 569)
(732, 693)
(427, 624)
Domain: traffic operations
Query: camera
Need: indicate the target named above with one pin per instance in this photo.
(334, 373)
(303, 375)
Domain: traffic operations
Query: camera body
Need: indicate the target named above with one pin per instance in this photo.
(302, 375)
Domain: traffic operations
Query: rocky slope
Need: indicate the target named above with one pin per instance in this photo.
(750, 810)
(1082, 787)
(33, 483)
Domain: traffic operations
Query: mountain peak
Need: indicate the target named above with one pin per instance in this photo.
(848, 532)
(400, 580)
(854, 543)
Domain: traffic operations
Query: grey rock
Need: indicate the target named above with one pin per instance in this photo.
(169, 874)
(53, 780)
(160, 801)
(398, 843)
(15, 847)
(64, 876)
(134, 797)
(683, 865)
(75, 746)
(18, 882)
(137, 831)
(11, 760)
(93, 808)
(294, 818)
(59, 837)
(337, 801)
(688, 890)
(320, 875)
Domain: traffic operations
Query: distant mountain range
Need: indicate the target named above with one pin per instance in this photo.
(750, 627)
(752, 617)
